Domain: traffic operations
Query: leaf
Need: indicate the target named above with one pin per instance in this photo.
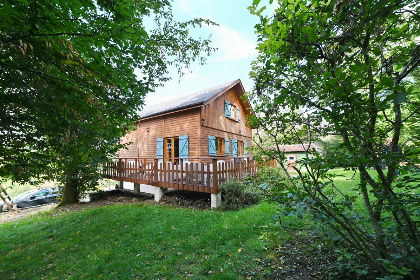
(354, 68)
(387, 81)
(400, 98)
(311, 34)
(327, 75)
(346, 47)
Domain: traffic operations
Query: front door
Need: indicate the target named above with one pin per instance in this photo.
(171, 149)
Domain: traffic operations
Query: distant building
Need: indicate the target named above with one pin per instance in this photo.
(297, 152)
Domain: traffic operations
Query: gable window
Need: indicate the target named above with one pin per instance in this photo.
(232, 111)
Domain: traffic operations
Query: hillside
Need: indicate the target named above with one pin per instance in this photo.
(135, 241)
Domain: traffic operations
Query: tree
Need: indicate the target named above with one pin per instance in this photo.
(339, 67)
(332, 148)
(412, 128)
(68, 87)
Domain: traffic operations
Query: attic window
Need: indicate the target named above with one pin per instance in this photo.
(231, 111)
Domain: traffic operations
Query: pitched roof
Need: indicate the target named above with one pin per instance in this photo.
(298, 147)
(186, 101)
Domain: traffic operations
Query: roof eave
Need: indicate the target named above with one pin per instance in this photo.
(171, 112)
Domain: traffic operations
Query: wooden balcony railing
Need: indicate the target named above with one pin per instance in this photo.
(192, 174)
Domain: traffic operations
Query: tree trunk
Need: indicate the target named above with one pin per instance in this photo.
(70, 191)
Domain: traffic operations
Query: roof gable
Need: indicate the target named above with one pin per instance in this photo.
(191, 100)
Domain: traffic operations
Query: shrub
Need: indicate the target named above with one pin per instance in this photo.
(237, 195)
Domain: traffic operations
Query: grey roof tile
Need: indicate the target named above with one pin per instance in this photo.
(186, 101)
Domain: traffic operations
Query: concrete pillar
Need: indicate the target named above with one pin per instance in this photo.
(121, 185)
(216, 200)
(158, 194)
(136, 188)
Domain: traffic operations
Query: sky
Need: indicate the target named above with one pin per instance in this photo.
(234, 38)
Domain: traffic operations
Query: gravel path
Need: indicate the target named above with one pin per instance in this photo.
(9, 216)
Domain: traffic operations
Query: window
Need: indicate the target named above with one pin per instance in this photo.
(220, 146)
(171, 149)
(291, 158)
(240, 148)
(41, 193)
(232, 111)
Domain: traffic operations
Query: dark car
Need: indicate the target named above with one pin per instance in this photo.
(34, 197)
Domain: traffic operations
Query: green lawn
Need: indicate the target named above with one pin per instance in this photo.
(139, 241)
(144, 241)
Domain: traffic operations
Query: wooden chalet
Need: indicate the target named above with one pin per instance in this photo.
(195, 142)
(209, 123)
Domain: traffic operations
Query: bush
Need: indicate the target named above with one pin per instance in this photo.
(237, 195)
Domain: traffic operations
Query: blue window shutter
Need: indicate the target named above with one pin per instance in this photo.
(239, 115)
(159, 148)
(234, 148)
(212, 145)
(227, 109)
(183, 146)
(226, 147)
(245, 151)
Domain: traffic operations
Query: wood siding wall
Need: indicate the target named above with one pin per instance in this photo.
(207, 131)
(188, 122)
(214, 114)
(171, 125)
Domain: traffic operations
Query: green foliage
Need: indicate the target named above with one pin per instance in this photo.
(333, 149)
(340, 67)
(68, 85)
(412, 127)
(239, 194)
(157, 242)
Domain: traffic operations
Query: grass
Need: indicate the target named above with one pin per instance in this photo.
(139, 241)
(144, 241)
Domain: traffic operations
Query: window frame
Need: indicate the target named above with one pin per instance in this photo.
(172, 156)
(220, 146)
(241, 148)
(233, 109)
(233, 112)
